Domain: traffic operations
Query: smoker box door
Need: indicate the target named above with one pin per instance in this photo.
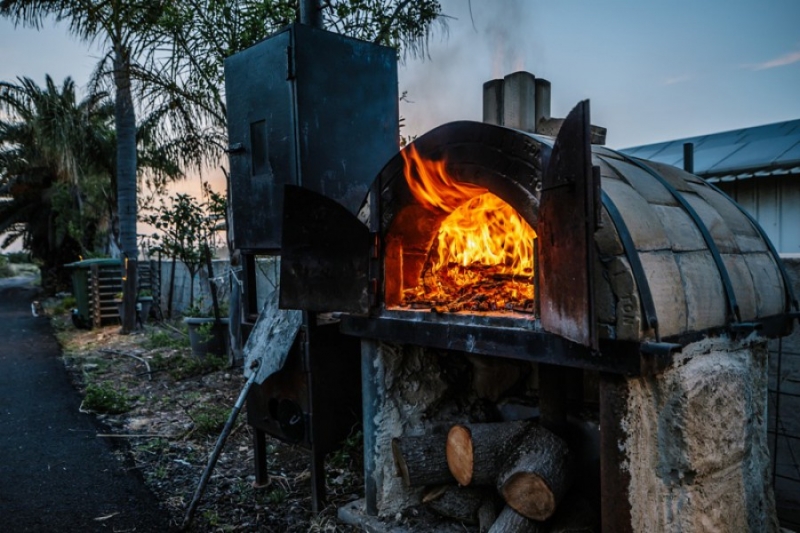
(306, 107)
(347, 113)
(325, 260)
(261, 140)
(565, 231)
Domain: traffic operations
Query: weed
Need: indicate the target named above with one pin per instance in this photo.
(185, 367)
(212, 517)
(276, 496)
(349, 450)
(104, 398)
(209, 419)
(155, 446)
(164, 339)
(161, 472)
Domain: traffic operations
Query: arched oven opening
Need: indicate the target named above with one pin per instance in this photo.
(456, 246)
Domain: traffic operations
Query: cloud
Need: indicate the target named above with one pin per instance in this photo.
(677, 79)
(782, 61)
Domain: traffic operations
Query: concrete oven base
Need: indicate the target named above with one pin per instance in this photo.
(695, 441)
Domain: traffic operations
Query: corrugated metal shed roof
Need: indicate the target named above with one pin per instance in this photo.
(772, 149)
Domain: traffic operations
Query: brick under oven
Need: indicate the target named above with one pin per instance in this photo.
(638, 367)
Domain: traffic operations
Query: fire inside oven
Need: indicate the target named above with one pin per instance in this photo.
(457, 247)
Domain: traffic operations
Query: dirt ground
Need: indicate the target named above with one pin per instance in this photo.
(166, 409)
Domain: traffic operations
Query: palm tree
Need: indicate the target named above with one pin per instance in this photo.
(52, 176)
(121, 27)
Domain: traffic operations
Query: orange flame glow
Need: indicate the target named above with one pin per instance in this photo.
(482, 258)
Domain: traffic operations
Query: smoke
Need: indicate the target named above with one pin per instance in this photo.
(486, 39)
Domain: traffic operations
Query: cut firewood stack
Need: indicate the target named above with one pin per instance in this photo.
(525, 464)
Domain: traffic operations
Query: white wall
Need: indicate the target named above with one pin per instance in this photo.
(775, 202)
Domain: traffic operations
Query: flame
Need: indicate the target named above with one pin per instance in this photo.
(482, 258)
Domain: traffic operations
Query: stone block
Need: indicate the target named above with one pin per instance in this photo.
(628, 308)
(770, 298)
(679, 179)
(604, 301)
(680, 228)
(743, 287)
(717, 227)
(747, 237)
(606, 170)
(666, 286)
(642, 222)
(644, 183)
(705, 297)
(697, 442)
(606, 238)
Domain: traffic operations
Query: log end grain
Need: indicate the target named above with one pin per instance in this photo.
(529, 495)
(460, 458)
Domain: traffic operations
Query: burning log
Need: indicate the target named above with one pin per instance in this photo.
(511, 521)
(537, 475)
(465, 504)
(422, 460)
(477, 452)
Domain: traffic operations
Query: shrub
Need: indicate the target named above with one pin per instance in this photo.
(5, 269)
(19, 257)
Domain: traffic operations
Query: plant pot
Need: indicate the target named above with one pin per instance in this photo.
(206, 336)
(146, 302)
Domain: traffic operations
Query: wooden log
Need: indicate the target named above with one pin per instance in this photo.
(477, 452)
(459, 503)
(511, 521)
(422, 460)
(537, 475)
(487, 515)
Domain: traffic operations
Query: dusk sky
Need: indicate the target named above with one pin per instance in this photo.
(654, 70)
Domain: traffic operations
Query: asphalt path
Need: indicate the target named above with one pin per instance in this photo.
(55, 473)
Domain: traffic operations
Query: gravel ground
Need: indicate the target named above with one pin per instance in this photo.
(170, 419)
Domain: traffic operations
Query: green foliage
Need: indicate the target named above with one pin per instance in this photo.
(104, 398)
(53, 154)
(180, 366)
(160, 338)
(209, 419)
(19, 257)
(277, 495)
(6, 271)
(65, 305)
(349, 451)
(186, 228)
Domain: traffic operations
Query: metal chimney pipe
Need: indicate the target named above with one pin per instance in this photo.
(688, 157)
(493, 102)
(311, 13)
(519, 101)
(542, 101)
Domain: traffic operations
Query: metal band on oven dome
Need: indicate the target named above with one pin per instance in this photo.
(733, 307)
(791, 300)
(645, 296)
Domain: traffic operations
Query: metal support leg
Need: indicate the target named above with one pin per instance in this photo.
(614, 481)
(260, 457)
(370, 400)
